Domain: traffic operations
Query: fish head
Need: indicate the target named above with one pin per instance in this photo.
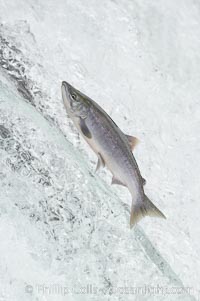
(76, 103)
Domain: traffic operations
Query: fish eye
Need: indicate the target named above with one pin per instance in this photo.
(73, 96)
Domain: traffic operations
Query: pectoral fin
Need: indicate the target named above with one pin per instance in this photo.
(84, 129)
(100, 162)
(117, 182)
(133, 141)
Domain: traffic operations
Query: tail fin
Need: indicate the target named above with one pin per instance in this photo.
(140, 210)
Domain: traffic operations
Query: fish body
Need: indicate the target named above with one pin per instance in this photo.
(112, 147)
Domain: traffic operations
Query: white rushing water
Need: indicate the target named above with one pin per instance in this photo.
(64, 230)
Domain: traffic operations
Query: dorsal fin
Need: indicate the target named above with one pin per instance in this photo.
(133, 141)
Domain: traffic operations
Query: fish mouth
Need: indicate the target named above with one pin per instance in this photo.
(66, 92)
(66, 85)
(75, 106)
(65, 89)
